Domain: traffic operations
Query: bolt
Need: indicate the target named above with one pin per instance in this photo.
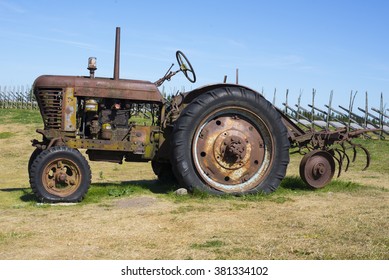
(62, 177)
(245, 178)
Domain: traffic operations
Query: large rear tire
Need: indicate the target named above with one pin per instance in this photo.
(230, 140)
(60, 174)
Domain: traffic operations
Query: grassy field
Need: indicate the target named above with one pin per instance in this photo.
(127, 214)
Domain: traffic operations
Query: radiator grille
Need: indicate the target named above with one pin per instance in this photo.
(50, 104)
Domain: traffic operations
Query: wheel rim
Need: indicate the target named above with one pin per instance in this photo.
(232, 150)
(61, 177)
(317, 168)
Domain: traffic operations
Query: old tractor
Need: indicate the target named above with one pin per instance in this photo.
(220, 138)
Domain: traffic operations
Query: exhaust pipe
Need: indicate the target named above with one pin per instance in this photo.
(117, 55)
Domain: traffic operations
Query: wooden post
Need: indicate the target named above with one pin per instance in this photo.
(350, 109)
(329, 110)
(366, 108)
(381, 120)
(313, 109)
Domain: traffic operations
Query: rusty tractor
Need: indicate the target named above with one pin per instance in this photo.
(220, 139)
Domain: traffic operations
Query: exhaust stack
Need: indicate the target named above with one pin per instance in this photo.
(117, 55)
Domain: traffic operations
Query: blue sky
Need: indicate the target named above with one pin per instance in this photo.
(296, 45)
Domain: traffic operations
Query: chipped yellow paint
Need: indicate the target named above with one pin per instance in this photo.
(69, 114)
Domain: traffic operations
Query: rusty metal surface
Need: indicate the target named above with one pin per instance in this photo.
(50, 105)
(230, 152)
(103, 87)
(140, 140)
(61, 177)
(317, 168)
(116, 64)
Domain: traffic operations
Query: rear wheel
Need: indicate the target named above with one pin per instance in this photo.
(60, 174)
(230, 140)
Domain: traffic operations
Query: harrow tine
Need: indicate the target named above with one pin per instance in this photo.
(367, 157)
(345, 156)
(354, 153)
(340, 160)
(354, 150)
(365, 151)
(348, 161)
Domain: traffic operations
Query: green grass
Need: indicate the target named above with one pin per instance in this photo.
(20, 116)
(378, 150)
(12, 236)
(290, 188)
(6, 135)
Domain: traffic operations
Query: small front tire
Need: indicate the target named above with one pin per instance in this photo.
(60, 174)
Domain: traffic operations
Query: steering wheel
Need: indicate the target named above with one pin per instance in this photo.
(185, 66)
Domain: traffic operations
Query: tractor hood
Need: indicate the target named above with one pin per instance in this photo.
(103, 87)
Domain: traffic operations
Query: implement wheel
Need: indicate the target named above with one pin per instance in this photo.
(317, 168)
(230, 140)
(60, 174)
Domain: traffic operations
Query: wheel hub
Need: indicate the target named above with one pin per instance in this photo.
(230, 153)
(61, 177)
(233, 149)
(230, 149)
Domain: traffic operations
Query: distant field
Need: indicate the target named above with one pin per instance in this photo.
(127, 214)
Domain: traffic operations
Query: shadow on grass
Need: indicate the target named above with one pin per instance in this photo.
(124, 188)
(295, 183)
(106, 189)
(27, 194)
(100, 190)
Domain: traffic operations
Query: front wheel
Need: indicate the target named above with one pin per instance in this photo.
(60, 174)
(230, 140)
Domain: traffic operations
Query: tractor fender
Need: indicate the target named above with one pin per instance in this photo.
(187, 97)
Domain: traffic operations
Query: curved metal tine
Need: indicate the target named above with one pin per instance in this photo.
(338, 160)
(354, 150)
(354, 153)
(348, 161)
(345, 156)
(367, 156)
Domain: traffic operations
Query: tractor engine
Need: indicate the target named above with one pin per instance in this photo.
(106, 119)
